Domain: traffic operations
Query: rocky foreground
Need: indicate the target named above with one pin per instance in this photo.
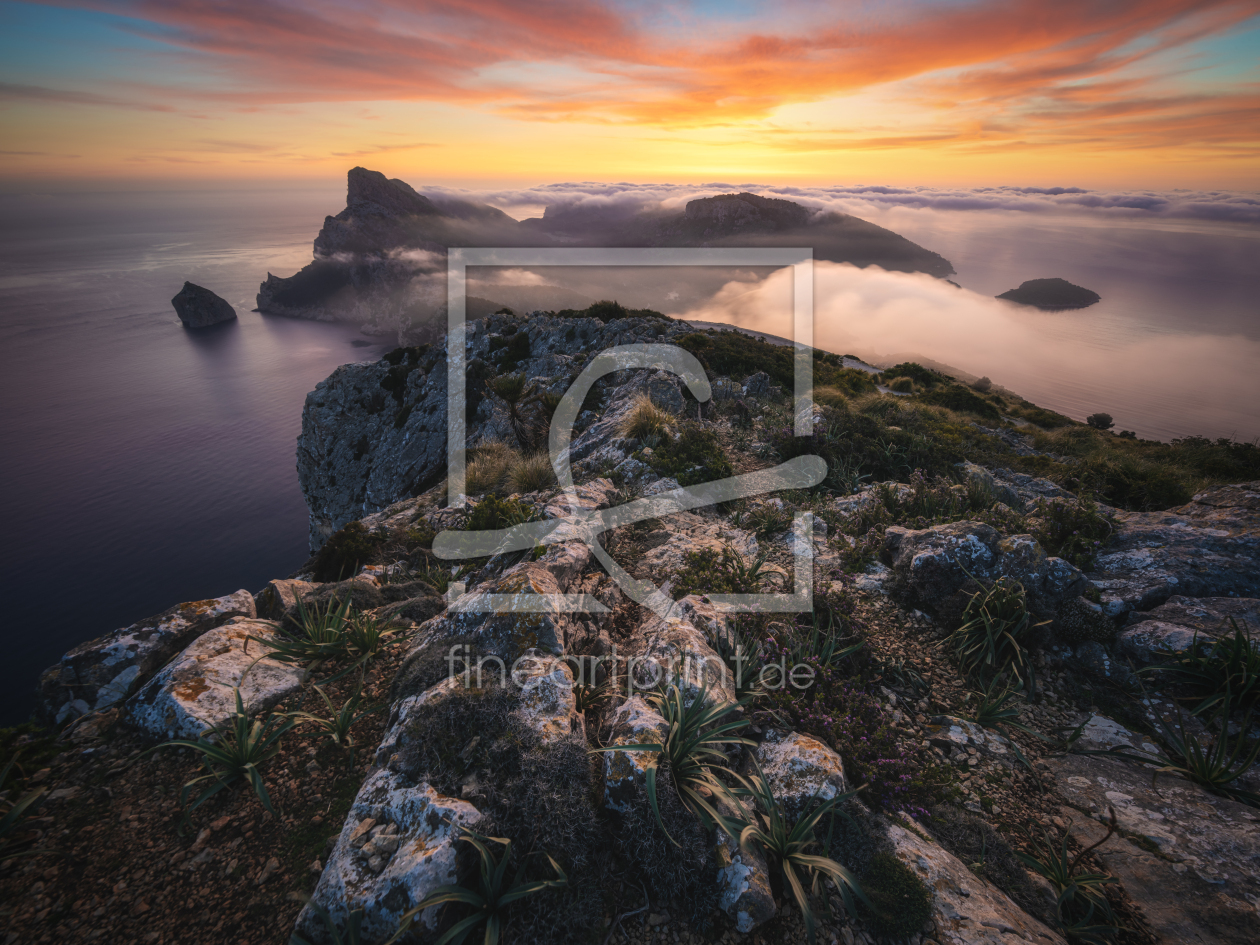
(958, 764)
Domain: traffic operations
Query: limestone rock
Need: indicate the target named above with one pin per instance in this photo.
(984, 479)
(1207, 548)
(757, 385)
(800, 770)
(1172, 627)
(374, 433)
(201, 308)
(677, 649)
(1102, 734)
(965, 909)
(743, 883)
(961, 739)
(625, 772)
(937, 564)
(685, 533)
(279, 599)
(547, 704)
(194, 691)
(397, 845)
(1194, 873)
(101, 672)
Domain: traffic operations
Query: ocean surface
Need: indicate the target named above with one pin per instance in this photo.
(143, 464)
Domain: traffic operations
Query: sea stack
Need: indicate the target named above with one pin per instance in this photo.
(1051, 295)
(200, 308)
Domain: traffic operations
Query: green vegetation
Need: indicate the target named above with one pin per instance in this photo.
(791, 845)
(243, 748)
(1073, 531)
(899, 902)
(996, 633)
(1225, 673)
(494, 513)
(1100, 421)
(737, 355)
(13, 813)
(320, 634)
(728, 572)
(346, 550)
(697, 738)
(488, 903)
(1083, 912)
(961, 399)
(692, 456)
(337, 726)
(1215, 765)
(608, 311)
(532, 473)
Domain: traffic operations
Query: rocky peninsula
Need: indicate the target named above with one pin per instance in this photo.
(990, 586)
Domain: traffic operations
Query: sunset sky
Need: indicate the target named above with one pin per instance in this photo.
(1157, 93)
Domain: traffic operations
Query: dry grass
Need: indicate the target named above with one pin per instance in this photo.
(645, 419)
(488, 466)
(530, 474)
(830, 397)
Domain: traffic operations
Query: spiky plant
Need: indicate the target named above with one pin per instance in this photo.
(695, 740)
(995, 632)
(1082, 908)
(316, 635)
(489, 901)
(243, 748)
(770, 829)
(1231, 665)
(531, 473)
(13, 814)
(337, 726)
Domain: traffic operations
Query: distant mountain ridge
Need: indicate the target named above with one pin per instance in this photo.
(381, 261)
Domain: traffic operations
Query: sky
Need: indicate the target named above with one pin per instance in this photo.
(1117, 94)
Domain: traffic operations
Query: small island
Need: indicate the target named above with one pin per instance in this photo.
(1051, 295)
(198, 307)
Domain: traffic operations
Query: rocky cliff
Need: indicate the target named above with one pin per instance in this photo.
(962, 686)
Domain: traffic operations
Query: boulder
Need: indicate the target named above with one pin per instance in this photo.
(981, 477)
(938, 565)
(1102, 734)
(1209, 547)
(1187, 858)
(743, 882)
(201, 308)
(757, 385)
(102, 672)
(279, 599)
(966, 910)
(677, 650)
(397, 845)
(1172, 627)
(800, 770)
(686, 533)
(194, 692)
(547, 703)
(625, 772)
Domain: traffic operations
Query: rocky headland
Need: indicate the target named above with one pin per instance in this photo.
(992, 585)
(1051, 295)
(380, 262)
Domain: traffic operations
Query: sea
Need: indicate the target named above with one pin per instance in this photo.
(143, 464)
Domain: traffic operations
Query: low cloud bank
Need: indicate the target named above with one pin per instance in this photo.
(625, 199)
(1161, 385)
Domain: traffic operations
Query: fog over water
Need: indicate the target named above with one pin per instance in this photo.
(143, 465)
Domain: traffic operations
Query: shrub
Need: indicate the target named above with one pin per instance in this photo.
(924, 377)
(830, 397)
(1046, 419)
(1079, 623)
(346, 550)
(899, 901)
(608, 311)
(962, 399)
(530, 473)
(692, 456)
(982, 384)
(493, 513)
(902, 385)
(1074, 531)
(1100, 421)
(727, 572)
(645, 419)
(1226, 671)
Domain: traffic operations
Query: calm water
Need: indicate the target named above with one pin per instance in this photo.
(143, 465)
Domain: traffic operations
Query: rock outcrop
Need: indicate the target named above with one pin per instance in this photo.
(102, 672)
(940, 565)
(1172, 628)
(200, 308)
(196, 690)
(1206, 548)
